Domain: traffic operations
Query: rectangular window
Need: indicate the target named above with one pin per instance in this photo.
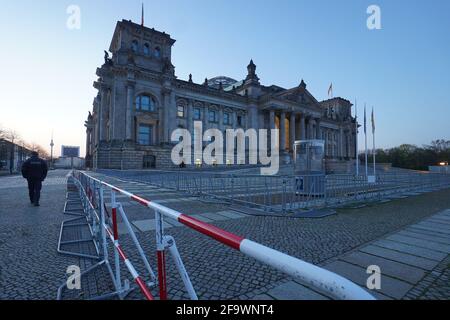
(239, 121)
(226, 118)
(197, 114)
(180, 111)
(212, 116)
(145, 135)
(145, 103)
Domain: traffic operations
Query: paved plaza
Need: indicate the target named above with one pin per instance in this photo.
(408, 238)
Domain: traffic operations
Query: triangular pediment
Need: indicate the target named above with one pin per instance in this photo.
(298, 95)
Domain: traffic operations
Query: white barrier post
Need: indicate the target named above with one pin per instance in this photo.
(103, 224)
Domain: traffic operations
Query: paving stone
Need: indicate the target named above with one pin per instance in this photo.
(202, 218)
(388, 267)
(231, 214)
(173, 222)
(148, 225)
(294, 291)
(215, 217)
(421, 243)
(441, 221)
(417, 229)
(391, 287)
(428, 228)
(122, 228)
(436, 226)
(124, 204)
(262, 297)
(411, 249)
(409, 259)
(422, 236)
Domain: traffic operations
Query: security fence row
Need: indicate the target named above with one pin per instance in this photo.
(289, 192)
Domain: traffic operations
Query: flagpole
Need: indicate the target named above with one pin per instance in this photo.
(356, 150)
(374, 150)
(365, 136)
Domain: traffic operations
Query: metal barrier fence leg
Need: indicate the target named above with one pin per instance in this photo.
(160, 248)
(137, 244)
(103, 223)
(116, 241)
(169, 243)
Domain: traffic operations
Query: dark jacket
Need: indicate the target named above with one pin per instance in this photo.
(34, 169)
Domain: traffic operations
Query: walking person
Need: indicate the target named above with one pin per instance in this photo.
(35, 171)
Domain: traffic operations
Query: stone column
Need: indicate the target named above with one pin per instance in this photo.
(303, 127)
(341, 142)
(166, 106)
(271, 126)
(189, 117)
(205, 117)
(88, 144)
(102, 114)
(311, 128)
(129, 111)
(292, 131)
(172, 114)
(272, 119)
(283, 131)
(349, 145)
(318, 129)
(221, 118)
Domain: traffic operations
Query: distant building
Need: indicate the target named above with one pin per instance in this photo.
(12, 156)
(140, 102)
(69, 163)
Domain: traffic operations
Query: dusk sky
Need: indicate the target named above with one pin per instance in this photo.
(402, 70)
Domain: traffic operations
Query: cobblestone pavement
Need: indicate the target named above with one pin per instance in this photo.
(30, 267)
(435, 286)
(217, 272)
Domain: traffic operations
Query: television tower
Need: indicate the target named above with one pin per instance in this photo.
(51, 151)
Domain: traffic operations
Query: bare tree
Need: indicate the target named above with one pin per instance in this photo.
(2, 132)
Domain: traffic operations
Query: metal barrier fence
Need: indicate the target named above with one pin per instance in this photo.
(289, 193)
(92, 192)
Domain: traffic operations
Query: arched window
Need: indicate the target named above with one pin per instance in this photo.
(147, 49)
(145, 103)
(157, 52)
(134, 46)
(181, 109)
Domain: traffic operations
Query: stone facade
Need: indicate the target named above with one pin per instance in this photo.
(140, 102)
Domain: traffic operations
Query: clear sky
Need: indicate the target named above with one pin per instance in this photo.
(403, 70)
